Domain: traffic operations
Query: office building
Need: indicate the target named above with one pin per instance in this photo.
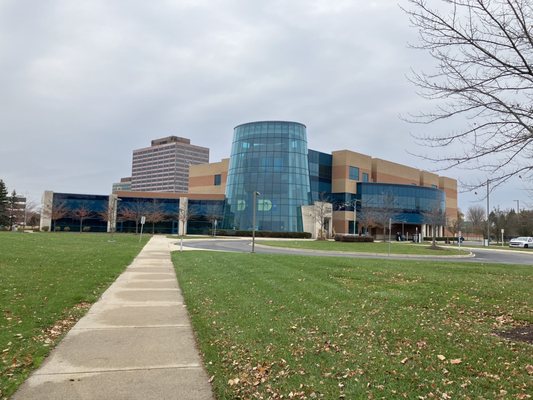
(295, 189)
(164, 166)
(123, 185)
(271, 158)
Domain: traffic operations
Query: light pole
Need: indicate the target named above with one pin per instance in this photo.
(253, 219)
(354, 204)
(517, 206)
(488, 215)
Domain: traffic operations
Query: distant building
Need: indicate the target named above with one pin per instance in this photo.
(164, 166)
(271, 182)
(124, 184)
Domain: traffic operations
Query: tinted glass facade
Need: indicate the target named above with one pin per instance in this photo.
(269, 158)
(408, 203)
(319, 175)
(203, 214)
(94, 206)
(161, 214)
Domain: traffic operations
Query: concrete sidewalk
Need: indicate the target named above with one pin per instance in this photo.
(136, 342)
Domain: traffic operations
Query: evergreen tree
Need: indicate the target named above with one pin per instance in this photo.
(3, 204)
(13, 211)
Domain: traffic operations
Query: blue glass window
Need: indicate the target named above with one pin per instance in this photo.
(365, 177)
(218, 180)
(354, 173)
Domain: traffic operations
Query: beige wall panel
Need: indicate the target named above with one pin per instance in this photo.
(168, 195)
(209, 169)
(389, 172)
(429, 179)
(208, 189)
(342, 160)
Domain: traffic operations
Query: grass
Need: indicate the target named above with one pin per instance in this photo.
(315, 327)
(380, 247)
(48, 282)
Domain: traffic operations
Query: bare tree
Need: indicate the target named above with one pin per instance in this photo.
(368, 218)
(484, 76)
(128, 214)
(213, 214)
(134, 213)
(386, 212)
(55, 212)
(435, 218)
(33, 215)
(456, 224)
(476, 215)
(81, 213)
(154, 213)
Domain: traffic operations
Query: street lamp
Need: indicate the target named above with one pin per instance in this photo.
(354, 204)
(488, 213)
(253, 219)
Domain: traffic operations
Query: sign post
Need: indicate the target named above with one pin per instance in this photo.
(143, 220)
(503, 231)
(390, 226)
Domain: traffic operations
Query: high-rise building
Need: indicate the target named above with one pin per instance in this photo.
(124, 184)
(164, 166)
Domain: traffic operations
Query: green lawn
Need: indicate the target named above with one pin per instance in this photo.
(271, 325)
(47, 281)
(381, 248)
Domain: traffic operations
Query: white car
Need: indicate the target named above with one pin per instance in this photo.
(522, 241)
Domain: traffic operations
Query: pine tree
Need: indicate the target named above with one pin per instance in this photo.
(3, 204)
(12, 210)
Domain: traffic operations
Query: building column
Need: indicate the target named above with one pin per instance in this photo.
(423, 230)
(46, 210)
(183, 216)
(112, 208)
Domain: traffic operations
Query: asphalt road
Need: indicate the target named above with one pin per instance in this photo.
(244, 245)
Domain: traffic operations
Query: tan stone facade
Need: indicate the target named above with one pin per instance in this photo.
(341, 162)
(202, 181)
(383, 171)
(202, 177)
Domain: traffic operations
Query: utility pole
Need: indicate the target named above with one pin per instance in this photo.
(488, 215)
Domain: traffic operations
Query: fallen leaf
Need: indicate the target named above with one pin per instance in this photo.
(529, 369)
(441, 357)
(404, 360)
(456, 361)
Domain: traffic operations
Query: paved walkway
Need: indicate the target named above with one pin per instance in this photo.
(136, 342)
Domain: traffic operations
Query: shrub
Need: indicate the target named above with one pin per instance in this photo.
(44, 229)
(66, 229)
(342, 237)
(86, 229)
(291, 235)
(57, 229)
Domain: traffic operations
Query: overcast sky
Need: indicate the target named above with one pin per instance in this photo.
(83, 83)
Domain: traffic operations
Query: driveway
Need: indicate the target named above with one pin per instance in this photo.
(244, 246)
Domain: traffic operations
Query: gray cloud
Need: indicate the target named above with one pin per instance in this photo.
(85, 83)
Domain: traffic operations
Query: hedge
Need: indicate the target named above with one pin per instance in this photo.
(293, 235)
(342, 237)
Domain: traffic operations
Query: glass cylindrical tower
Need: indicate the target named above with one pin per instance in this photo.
(268, 157)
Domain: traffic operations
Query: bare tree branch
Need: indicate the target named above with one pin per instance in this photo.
(484, 75)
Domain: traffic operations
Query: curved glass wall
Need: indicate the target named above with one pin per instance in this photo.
(270, 158)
